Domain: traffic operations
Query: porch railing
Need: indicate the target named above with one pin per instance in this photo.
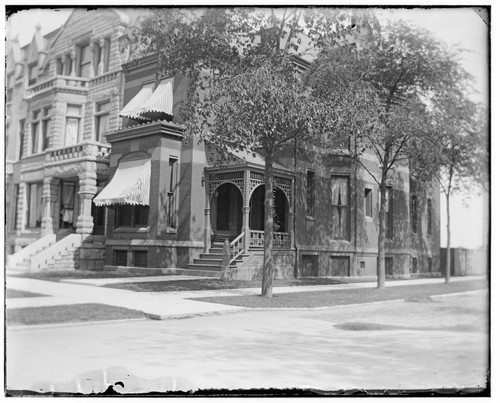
(281, 239)
(237, 247)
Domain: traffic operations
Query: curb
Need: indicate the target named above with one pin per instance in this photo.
(195, 314)
(70, 324)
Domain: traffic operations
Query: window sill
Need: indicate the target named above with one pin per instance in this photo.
(342, 241)
(132, 230)
(171, 231)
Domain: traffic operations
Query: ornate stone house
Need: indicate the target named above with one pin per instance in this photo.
(64, 91)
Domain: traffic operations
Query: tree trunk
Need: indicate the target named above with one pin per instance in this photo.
(448, 243)
(381, 236)
(268, 267)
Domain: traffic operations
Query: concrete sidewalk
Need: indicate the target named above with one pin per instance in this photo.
(164, 305)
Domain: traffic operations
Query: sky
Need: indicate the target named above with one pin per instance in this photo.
(455, 26)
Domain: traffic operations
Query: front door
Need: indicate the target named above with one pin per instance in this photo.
(67, 197)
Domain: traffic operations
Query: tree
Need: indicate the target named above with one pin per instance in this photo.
(457, 156)
(402, 68)
(244, 91)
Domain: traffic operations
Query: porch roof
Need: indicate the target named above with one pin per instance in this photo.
(256, 160)
(130, 185)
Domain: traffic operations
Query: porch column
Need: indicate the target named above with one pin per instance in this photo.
(49, 197)
(207, 229)
(88, 189)
(291, 214)
(291, 228)
(245, 228)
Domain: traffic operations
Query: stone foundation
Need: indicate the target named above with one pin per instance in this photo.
(92, 257)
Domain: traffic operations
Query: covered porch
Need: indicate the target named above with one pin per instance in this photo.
(234, 207)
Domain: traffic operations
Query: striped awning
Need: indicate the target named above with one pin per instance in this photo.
(133, 108)
(130, 185)
(152, 105)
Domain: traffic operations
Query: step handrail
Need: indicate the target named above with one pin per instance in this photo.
(236, 247)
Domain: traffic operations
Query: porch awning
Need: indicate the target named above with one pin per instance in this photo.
(152, 105)
(132, 109)
(130, 185)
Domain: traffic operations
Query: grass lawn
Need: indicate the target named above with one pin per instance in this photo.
(214, 284)
(83, 274)
(68, 314)
(312, 299)
(10, 293)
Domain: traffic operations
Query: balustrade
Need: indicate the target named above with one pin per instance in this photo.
(87, 149)
(65, 81)
(281, 239)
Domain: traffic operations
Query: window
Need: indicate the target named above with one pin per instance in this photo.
(172, 190)
(429, 217)
(59, 66)
(85, 61)
(132, 216)
(21, 138)
(389, 214)
(68, 66)
(311, 196)
(34, 211)
(140, 258)
(107, 49)
(36, 142)
(101, 56)
(46, 127)
(389, 266)
(73, 117)
(309, 266)
(340, 206)
(414, 214)
(120, 257)
(97, 58)
(368, 202)
(102, 120)
(32, 74)
(414, 265)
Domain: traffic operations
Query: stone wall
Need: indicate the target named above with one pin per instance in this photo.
(92, 257)
(251, 269)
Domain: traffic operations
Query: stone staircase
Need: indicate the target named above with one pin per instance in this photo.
(63, 255)
(210, 264)
(47, 254)
(21, 260)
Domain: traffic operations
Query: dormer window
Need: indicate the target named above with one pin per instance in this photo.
(59, 66)
(32, 73)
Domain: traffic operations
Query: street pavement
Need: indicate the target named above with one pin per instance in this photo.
(160, 305)
(395, 345)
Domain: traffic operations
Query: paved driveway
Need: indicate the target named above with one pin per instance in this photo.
(395, 345)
